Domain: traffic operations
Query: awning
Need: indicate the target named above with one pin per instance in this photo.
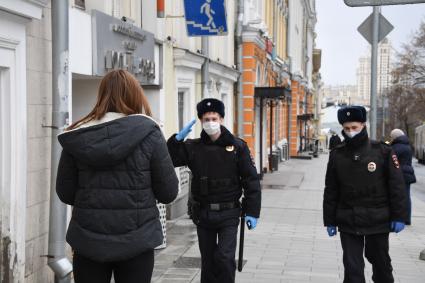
(272, 92)
(305, 117)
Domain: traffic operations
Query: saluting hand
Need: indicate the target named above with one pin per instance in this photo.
(185, 131)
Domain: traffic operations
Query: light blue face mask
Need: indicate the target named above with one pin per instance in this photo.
(352, 134)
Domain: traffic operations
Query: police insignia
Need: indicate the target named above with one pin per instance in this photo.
(230, 148)
(371, 167)
(395, 161)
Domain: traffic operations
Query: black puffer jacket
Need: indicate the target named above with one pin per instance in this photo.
(365, 189)
(112, 174)
(403, 150)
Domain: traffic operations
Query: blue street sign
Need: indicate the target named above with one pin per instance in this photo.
(205, 17)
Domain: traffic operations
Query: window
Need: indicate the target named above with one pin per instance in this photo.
(80, 4)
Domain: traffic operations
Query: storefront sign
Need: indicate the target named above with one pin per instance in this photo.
(121, 45)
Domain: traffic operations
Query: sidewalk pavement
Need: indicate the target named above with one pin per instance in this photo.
(290, 243)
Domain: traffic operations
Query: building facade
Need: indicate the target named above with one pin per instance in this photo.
(278, 42)
(342, 95)
(270, 92)
(302, 21)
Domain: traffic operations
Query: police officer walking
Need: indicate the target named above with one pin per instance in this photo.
(334, 140)
(222, 170)
(364, 197)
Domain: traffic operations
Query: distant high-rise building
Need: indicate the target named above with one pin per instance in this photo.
(341, 94)
(385, 52)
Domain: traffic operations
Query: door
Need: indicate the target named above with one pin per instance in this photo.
(12, 159)
(6, 64)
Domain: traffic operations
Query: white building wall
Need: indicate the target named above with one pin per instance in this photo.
(25, 102)
(39, 109)
(221, 52)
(80, 42)
(296, 14)
(220, 47)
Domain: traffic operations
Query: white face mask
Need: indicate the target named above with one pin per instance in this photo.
(352, 134)
(211, 128)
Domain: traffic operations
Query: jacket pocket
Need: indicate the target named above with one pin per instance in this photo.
(371, 216)
(344, 216)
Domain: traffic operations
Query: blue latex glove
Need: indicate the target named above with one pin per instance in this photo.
(331, 231)
(185, 131)
(397, 226)
(251, 222)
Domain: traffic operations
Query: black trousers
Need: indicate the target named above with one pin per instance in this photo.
(217, 237)
(376, 250)
(136, 270)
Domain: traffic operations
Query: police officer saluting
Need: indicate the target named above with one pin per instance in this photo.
(364, 197)
(222, 170)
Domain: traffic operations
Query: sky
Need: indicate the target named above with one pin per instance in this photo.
(341, 43)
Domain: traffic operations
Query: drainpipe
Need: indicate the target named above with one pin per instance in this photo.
(57, 260)
(239, 47)
(205, 67)
(277, 106)
(288, 49)
(289, 104)
(160, 8)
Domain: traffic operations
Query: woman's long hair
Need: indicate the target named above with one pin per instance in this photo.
(120, 92)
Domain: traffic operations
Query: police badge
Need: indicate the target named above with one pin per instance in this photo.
(371, 167)
(230, 148)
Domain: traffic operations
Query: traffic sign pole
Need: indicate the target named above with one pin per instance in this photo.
(374, 72)
(374, 29)
(205, 67)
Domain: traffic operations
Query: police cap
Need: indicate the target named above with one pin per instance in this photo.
(352, 114)
(210, 105)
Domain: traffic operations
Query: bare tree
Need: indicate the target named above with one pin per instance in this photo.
(406, 96)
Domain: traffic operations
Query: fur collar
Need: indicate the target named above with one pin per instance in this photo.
(226, 138)
(108, 117)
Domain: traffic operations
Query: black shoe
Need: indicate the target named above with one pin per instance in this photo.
(408, 223)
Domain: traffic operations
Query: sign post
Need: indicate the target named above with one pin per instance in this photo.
(374, 72)
(374, 29)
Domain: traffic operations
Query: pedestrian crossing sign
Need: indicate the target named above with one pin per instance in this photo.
(205, 17)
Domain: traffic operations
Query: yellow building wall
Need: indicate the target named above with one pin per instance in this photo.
(270, 8)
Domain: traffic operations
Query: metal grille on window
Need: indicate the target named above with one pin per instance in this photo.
(163, 219)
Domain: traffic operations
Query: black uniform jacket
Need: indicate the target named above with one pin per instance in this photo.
(334, 141)
(220, 169)
(364, 188)
(112, 174)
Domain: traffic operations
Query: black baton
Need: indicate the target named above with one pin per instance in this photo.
(241, 243)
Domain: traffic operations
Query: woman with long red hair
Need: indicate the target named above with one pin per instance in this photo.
(113, 169)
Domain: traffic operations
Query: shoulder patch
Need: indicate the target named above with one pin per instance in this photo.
(240, 140)
(395, 161)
